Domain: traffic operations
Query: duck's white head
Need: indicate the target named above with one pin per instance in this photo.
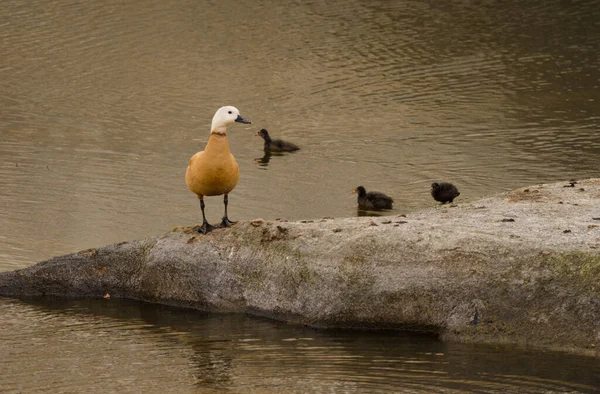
(224, 117)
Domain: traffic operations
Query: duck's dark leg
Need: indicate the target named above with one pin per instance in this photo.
(205, 228)
(226, 222)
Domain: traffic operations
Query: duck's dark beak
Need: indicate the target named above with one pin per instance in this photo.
(239, 119)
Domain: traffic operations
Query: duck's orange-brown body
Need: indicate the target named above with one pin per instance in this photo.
(213, 171)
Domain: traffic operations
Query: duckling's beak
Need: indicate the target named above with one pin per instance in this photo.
(239, 119)
(354, 191)
(256, 135)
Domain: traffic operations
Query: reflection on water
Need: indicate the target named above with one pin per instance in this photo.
(360, 212)
(135, 347)
(264, 161)
(103, 104)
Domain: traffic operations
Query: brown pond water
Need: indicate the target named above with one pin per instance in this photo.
(103, 103)
(124, 346)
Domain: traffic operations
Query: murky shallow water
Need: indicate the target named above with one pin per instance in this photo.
(103, 103)
(123, 346)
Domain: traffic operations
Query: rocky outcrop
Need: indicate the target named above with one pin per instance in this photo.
(522, 267)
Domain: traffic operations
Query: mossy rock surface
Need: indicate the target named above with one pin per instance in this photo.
(522, 267)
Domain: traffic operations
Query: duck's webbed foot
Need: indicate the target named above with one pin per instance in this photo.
(205, 228)
(225, 222)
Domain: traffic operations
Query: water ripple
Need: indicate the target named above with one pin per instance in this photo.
(132, 346)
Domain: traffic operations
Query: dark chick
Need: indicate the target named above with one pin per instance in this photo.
(372, 201)
(276, 145)
(444, 192)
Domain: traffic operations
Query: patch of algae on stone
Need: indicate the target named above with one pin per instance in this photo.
(582, 266)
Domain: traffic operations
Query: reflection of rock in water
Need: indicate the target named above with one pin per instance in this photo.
(213, 364)
(264, 161)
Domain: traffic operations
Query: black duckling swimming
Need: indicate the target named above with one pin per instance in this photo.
(276, 145)
(444, 192)
(372, 201)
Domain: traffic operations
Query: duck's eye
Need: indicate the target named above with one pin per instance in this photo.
(229, 112)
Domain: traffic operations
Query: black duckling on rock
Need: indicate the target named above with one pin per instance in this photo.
(372, 201)
(444, 192)
(276, 145)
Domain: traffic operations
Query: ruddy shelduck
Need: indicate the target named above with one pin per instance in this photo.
(214, 171)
